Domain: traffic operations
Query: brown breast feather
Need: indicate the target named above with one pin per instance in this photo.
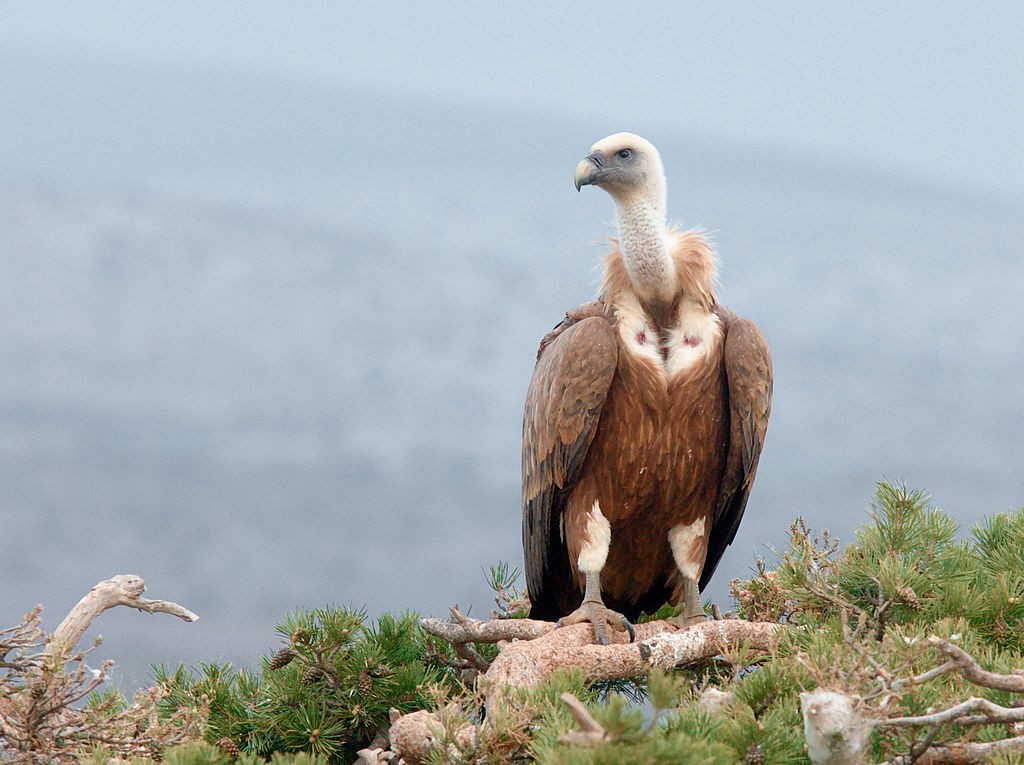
(656, 462)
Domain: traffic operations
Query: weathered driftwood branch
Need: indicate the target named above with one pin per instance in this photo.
(658, 644)
(536, 649)
(120, 590)
(706, 640)
(462, 629)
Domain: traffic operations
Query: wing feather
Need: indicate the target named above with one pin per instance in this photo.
(570, 383)
(748, 368)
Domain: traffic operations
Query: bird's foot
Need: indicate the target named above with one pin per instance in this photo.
(693, 613)
(601, 617)
(685, 620)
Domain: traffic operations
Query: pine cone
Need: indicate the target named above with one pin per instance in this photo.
(909, 597)
(1000, 629)
(281, 659)
(311, 675)
(228, 746)
(365, 683)
(755, 755)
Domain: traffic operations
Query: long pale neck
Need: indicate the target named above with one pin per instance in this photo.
(644, 247)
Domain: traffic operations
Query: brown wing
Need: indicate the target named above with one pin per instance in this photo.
(575, 366)
(748, 369)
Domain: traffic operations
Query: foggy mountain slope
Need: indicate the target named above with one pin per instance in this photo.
(228, 339)
(266, 344)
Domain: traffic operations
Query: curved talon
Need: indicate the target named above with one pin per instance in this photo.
(629, 628)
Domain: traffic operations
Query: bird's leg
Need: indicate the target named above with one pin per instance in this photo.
(593, 610)
(689, 546)
(693, 611)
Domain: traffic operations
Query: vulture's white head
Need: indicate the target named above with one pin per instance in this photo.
(628, 167)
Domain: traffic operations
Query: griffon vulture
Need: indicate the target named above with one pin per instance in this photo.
(644, 419)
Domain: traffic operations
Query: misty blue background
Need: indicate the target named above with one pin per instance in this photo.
(272, 279)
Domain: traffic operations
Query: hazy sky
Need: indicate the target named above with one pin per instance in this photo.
(932, 89)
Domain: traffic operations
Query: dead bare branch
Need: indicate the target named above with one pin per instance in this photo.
(659, 644)
(924, 677)
(462, 629)
(467, 653)
(591, 731)
(47, 678)
(973, 671)
(965, 753)
(974, 711)
(120, 590)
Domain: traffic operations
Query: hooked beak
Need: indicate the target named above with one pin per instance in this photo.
(589, 169)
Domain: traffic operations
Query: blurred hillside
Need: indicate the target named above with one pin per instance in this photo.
(265, 344)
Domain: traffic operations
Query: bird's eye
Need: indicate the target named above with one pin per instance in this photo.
(624, 154)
